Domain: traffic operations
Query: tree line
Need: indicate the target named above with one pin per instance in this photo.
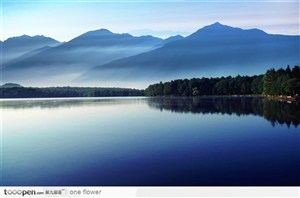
(272, 83)
(32, 92)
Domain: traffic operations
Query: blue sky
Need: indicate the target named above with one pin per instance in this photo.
(64, 20)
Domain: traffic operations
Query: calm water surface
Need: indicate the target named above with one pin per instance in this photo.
(150, 141)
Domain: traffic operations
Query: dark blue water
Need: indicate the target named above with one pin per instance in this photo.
(150, 142)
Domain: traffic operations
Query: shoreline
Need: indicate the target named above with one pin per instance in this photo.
(284, 98)
(280, 98)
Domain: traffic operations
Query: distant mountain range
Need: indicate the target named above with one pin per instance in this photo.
(18, 46)
(69, 60)
(103, 58)
(214, 50)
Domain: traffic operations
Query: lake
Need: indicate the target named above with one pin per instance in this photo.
(150, 142)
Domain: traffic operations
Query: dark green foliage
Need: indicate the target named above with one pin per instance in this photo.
(282, 82)
(222, 87)
(29, 92)
(158, 90)
(257, 85)
(272, 83)
(269, 82)
(290, 86)
(240, 85)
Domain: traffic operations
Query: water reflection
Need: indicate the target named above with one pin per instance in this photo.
(66, 102)
(277, 112)
(129, 142)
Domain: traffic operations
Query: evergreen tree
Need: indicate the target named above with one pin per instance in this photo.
(269, 87)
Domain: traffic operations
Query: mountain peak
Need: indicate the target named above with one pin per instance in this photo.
(11, 85)
(100, 32)
(217, 25)
(27, 38)
(104, 31)
(24, 36)
(217, 29)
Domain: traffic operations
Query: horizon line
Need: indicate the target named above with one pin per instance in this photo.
(140, 35)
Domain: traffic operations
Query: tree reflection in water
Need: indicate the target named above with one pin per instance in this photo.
(277, 112)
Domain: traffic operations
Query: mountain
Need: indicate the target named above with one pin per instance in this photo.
(214, 50)
(61, 64)
(10, 85)
(104, 58)
(18, 46)
(173, 38)
(27, 55)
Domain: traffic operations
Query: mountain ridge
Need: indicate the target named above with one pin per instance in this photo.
(25, 36)
(78, 55)
(103, 58)
(17, 46)
(210, 51)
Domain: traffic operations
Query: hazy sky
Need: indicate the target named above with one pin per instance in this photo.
(64, 20)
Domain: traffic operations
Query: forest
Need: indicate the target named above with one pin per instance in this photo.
(281, 82)
(272, 83)
(32, 92)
